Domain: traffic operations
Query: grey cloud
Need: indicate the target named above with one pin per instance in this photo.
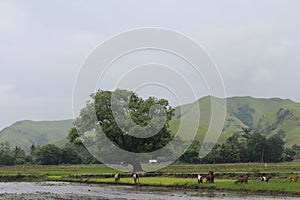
(42, 44)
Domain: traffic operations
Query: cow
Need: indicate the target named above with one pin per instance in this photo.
(117, 177)
(266, 178)
(294, 179)
(200, 178)
(242, 179)
(135, 177)
(210, 178)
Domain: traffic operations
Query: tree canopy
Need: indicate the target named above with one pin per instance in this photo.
(128, 121)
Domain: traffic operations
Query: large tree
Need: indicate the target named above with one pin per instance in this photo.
(274, 149)
(49, 155)
(128, 121)
(257, 147)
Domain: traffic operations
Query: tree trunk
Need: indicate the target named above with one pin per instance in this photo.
(262, 155)
(136, 165)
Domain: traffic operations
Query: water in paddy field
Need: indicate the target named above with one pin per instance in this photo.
(65, 190)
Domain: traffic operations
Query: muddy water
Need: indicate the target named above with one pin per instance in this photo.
(64, 190)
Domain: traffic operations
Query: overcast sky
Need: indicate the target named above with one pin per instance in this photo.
(255, 45)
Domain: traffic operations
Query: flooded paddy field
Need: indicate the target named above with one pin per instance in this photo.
(66, 190)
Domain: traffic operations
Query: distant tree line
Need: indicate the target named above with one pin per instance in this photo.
(49, 154)
(249, 146)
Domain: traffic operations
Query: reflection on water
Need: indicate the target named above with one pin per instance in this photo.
(64, 190)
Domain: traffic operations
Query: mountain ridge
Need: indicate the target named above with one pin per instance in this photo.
(268, 116)
(24, 133)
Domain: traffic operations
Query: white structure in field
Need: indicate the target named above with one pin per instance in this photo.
(152, 161)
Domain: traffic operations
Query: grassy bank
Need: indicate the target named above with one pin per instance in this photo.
(254, 186)
(55, 170)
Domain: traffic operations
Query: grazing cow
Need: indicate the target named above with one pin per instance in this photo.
(294, 179)
(117, 177)
(136, 178)
(242, 179)
(210, 178)
(266, 178)
(200, 178)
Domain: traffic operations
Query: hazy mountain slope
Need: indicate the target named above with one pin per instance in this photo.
(25, 133)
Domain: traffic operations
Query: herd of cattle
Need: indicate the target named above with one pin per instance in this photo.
(210, 177)
(244, 179)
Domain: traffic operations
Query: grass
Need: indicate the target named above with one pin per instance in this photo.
(61, 170)
(286, 167)
(56, 170)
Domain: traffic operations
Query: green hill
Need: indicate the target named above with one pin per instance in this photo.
(190, 112)
(267, 116)
(260, 114)
(25, 133)
(249, 110)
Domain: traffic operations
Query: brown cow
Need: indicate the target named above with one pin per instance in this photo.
(117, 177)
(210, 178)
(242, 179)
(294, 179)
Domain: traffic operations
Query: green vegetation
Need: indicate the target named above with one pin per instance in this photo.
(49, 154)
(248, 147)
